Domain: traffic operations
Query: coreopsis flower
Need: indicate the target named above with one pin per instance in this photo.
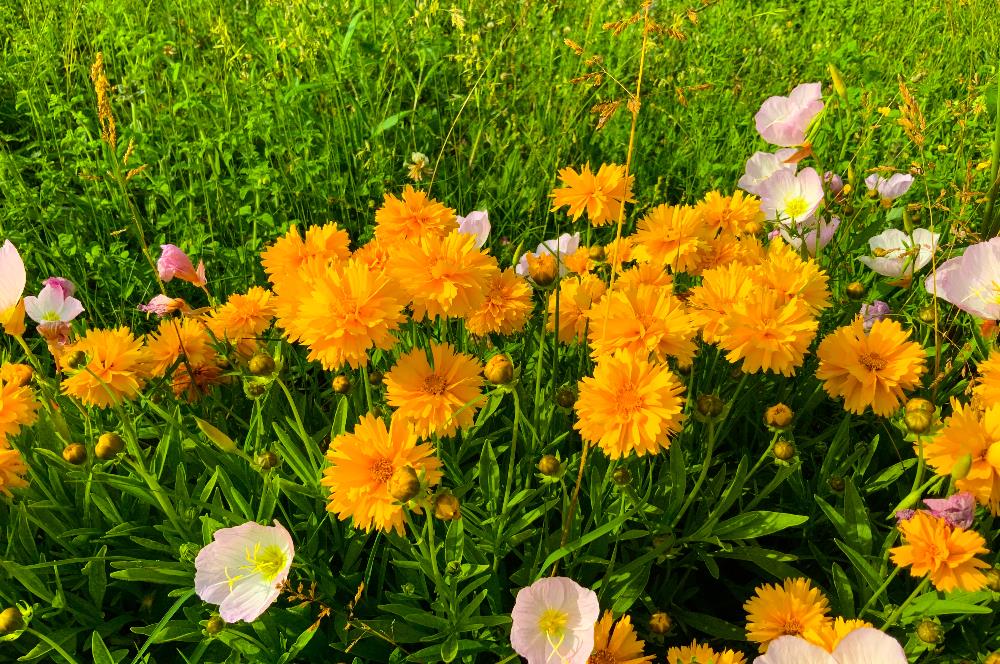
(642, 320)
(971, 281)
(814, 237)
(987, 389)
(284, 258)
(736, 214)
(476, 224)
(506, 308)
(579, 262)
(18, 406)
(872, 368)
(13, 279)
(554, 621)
(16, 373)
(164, 305)
(185, 340)
(967, 432)
(767, 333)
(243, 568)
(374, 253)
(601, 195)
(116, 368)
(444, 276)
(576, 296)
(561, 246)
(414, 216)
(871, 313)
(862, 646)
(629, 405)
(834, 631)
(13, 470)
(348, 309)
(175, 264)
(417, 166)
(711, 302)
(243, 318)
(700, 653)
(784, 272)
(616, 643)
(761, 166)
(645, 274)
(363, 463)
(947, 554)
(439, 398)
(791, 199)
(52, 306)
(898, 255)
(784, 120)
(672, 236)
(891, 188)
(793, 608)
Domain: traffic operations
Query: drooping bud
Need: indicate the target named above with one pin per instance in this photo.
(108, 446)
(783, 450)
(268, 460)
(855, 290)
(710, 405)
(778, 416)
(447, 507)
(341, 384)
(549, 465)
(261, 364)
(499, 370)
(660, 623)
(404, 484)
(565, 396)
(929, 631)
(75, 454)
(215, 625)
(11, 620)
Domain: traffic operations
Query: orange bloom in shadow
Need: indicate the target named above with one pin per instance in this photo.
(947, 554)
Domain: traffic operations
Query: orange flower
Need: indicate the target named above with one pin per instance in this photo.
(794, 608)
(174, 339)
(116, 369)
(977, 435)
(413, 217)
(506, 308)
(988, 386)
(932, 547)
(12, 372)
(786, 272)
(642, 320)
(616, 643)
(363, 462)
(621, 251)
(833, 631)
(711, 302)
(629, 406)
(243, 318)
(374, 254)
(576, 295)
(18, 408)
(768, 334)
(579, 262)
(645, 274)
(600, 195)
(444, 276)
(673, 236)
(870, 369)
(699, 653)
(283, 259)
(737, 214)
(12, 471)
(438, 399)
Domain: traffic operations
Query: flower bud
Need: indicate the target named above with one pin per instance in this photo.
(221, 440)
(778, 416)
(992, 658)
(215, 625)
(855, 290)
(499, 370)
(926, 315)
(918, 421)
(660, 623)
(685, 369)
(621, 476)
(446, 507)
(565, 396)
(108, 446)
(341, 384)
(597, 253)
(838, 82)
(74, 360)
(993, 579)
(783, 450)
(964, 463)
(261, 364)
(919, 404)
(11, 620)
(837, 483)
(375, 378)
(268, 460)
(543, 269)
(929, 631)
(709, 405)
(404, 484)
(549, 465)
(453, 568)
(75, 454)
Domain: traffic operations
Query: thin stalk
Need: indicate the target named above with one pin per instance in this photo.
(894, 616)
(710, 450)
(990, 228)
(570, 513)
(513, 450)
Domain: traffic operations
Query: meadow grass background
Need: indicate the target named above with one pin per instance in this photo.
(254, 115)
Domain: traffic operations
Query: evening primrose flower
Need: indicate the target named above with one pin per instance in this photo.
(971, 281)
(553, 622)
(871, 313)
(791, 199)
(174, 263)
(12, 281)
(898, 255)
(889, 188)
(763, 165)
(52, 306)
(477, 224)
(784, 120)
(861, 646)
(243, 569)
(815, 239)
(563, 245)
(67, 287)
(163, 305)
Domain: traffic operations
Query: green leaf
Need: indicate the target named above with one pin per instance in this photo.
(956, 603)
(389, 122)
(581, 542)
(859, 530)
(772, 562)
(99, 651)
(757, 524)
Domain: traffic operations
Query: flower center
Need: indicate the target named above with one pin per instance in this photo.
(267, 562)
(792, 627)
(602, 657)
(628, 400)
(796, 207)
(435, 384)
(872, 361)
(51, 316)
(553, 621)
(382, 470)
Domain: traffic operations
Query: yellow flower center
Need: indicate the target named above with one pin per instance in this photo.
(553, 621)
(51, 317)
(382, 470)
(602, 657)
(435, 384)
(872, 361)
(267, 562)
(628, 400)
(795, 207)
(792, 627)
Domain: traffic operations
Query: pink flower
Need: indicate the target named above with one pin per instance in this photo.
(763, 165)
(12, 278)
(958, 510)
(175, 263)
(890, 189)
(814, 239)
(52, 306)
(477, 224)
(554, 622)
(971, 281)
(791, 199)
(864, 645)
(833, 182)
(243, 569)
(163, 305)
(65, 285)
(565, 244)
(784, 120)
(896, 254)
(871, 313)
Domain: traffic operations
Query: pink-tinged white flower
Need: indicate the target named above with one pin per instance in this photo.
(971, 281)
(65, 285)
(763, 165)
(174, 263)
(563, 245)
(833, 182)
(243, 568)
(874, 312)
(477, 224)
(791, 199)
(163, 305)
(896, 254)
(784, 120)
(814, 239)
(554, 622)
(12, 279)
(52, 306)
(891, 188)
(864, 645)
(958, 509)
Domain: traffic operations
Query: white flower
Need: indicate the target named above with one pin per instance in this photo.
(52, 306)
(12, 277)
(791, 199)
(763, 165)
(478, 224)
(784, 120)
(865, 645)
(243, 569)
(814, 239)
(553, 622)
(971, 281)
(894, 187)
(896, 254)
(565, 244)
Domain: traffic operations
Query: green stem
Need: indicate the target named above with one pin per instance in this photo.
(701, 475)
(894, 616)
(513, 449)
(52, 644)
(878, 593)
(990, 228)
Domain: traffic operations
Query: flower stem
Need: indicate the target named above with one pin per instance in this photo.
(701, 475)
(894, 616)
(513, 449)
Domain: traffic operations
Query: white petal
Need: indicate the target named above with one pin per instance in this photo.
(869, 646)
(794, 650)
(12, 276)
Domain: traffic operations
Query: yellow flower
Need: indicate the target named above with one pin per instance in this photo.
(506, 308)
(645, 274)
(616, 643)
(12, 372)
(18, 407)
(967, 432)
(116, 369)
(870, 369)
(766, 333)
(363, 462)
(699, 653)
(932, 547)
(437, 399)
(794, 608)
(283, 259)
(642, 320)
(177, 338)
(412, 217)
(579, 262)
(785, 272)
(711, 302)
(374, 254)
(243, 318)
(988, 386)
(576, 295)
(629, 406)
(737, 214)
(673, 236)
(600, 195)
(12, 471)
(833, 631)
